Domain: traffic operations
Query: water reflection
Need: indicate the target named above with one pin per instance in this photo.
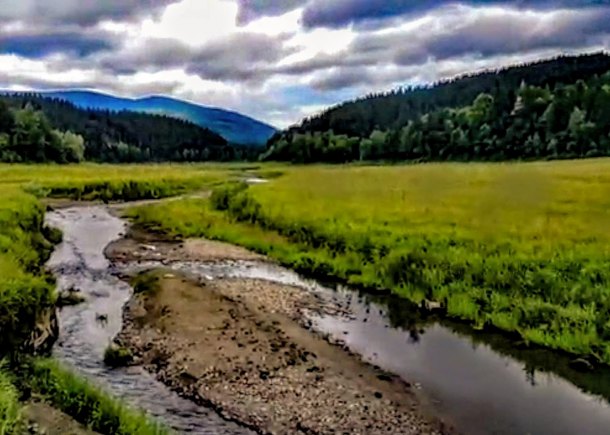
(483, 382)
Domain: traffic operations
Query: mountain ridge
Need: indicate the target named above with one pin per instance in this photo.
(233, 126)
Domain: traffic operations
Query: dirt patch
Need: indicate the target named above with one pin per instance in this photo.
(143, 246)
(235, 345)
(44, 419)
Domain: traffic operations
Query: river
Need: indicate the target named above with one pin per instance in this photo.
(482, 383)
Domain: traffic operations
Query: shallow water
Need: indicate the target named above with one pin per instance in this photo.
(482, 383)
(79, 262)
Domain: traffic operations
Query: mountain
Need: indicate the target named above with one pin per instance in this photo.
(559, 108)
(103, 135)
(234, 127)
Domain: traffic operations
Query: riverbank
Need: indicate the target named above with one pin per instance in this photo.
(470, 240)
(43, 419)
(241, 346)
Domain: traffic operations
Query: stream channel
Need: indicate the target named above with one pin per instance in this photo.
(482, 383)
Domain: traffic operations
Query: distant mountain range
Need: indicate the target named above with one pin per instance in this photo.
(234, 127)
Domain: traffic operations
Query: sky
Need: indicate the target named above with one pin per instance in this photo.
(280, 60)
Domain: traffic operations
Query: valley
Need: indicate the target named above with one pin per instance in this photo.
(401, 263)
(236, 340)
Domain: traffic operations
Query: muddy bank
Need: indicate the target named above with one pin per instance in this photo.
(140, 246)
(239, 345)
(43, 419)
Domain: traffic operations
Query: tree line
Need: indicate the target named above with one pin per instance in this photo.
(38, 129)
(26, 135)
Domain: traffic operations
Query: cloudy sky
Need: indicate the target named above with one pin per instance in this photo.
(280, 60)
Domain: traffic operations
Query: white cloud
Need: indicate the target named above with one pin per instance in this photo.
(209, 52)
(193, 22)
(18, 70)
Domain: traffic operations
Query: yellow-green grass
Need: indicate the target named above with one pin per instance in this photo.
(10, 409)
(50, 173)
(521, 247)
(25, 289)
(87, 403)
(27, 292)
(112, 182)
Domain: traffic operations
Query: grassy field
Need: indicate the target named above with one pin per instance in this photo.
(521, 247)
(27, 292)
(113, 182)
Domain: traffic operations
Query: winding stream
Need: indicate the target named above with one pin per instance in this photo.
(79, 262)
(482, 383)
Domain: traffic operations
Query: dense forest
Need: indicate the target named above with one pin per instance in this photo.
(550, 109)
(38, 129)
(26, 135)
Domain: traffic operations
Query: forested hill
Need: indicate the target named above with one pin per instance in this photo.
(556, 108)
(397, 107)
(33, 123)
(234, 127)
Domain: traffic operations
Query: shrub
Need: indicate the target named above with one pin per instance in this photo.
(117, 356)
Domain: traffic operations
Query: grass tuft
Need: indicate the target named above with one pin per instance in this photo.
(88, 404)
(116, 356)
(10, 408)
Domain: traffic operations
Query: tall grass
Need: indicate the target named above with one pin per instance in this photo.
(26, 290)
(10, 409)
(88, 404)
(521, 247)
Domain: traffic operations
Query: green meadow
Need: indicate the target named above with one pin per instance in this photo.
(521, 247)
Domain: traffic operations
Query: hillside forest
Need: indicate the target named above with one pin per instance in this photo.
(556, 109)
(37, 129)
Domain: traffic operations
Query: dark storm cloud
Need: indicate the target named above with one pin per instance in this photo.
(78, 12)
(241, 56)
(490, 35)
(154, 54)
(454, 32)
(43, 44)
(340, 13)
